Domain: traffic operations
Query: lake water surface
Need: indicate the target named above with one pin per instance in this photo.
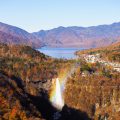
(67, 53)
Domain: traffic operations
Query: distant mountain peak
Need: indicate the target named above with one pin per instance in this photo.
(75, 36)
(14, 35)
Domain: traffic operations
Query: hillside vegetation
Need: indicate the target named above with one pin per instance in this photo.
(25, 78)
(94, 89)
(111, 53)
(92, 92)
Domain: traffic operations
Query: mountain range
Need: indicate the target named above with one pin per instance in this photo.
(84, 37)
(13, 35)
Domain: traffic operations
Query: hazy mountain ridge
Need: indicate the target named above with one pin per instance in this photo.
(85, 37)
(14, 35)
(88, 37)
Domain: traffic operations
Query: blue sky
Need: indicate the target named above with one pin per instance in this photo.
(34, 15)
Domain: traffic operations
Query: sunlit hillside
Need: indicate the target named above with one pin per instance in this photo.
(111, 52)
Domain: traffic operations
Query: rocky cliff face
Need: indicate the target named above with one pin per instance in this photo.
(95, 93)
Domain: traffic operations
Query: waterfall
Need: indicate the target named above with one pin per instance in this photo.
(57, 98)
(58, 87)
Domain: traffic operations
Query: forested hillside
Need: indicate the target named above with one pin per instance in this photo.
(110, 53)
(92, 91)
(25, 81)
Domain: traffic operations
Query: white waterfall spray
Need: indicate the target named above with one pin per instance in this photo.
(59, 102)
(56, 95)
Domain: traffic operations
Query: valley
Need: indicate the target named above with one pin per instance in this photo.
(59, 60)
(92, 91)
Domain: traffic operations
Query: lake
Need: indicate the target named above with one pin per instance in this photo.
(67, 53)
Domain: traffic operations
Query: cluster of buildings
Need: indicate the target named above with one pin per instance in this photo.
(96, 58)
